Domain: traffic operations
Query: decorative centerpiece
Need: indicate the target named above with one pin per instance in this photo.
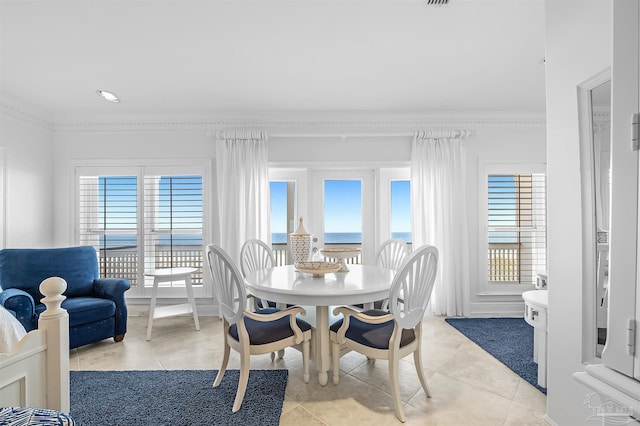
(340, 254)
(300, 243)
(317, 268)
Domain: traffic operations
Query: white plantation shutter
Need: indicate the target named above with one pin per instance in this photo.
(516, 227)
(173, 223)
(108, 222)
(142, 218)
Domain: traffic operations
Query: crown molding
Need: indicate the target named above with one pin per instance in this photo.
(281, 122)
(24, 113)
(296, 123)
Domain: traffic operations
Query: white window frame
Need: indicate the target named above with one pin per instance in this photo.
(301, 179)
(486, 287)
(140, 168)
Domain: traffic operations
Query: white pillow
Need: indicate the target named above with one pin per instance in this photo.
(11, 331)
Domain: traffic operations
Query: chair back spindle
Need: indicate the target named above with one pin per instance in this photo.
(392, 253)
(414, 283)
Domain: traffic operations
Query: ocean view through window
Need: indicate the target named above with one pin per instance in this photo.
(343, 210)
(401, 210)
(136, 228)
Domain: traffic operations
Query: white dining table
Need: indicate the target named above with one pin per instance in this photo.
(285, 285)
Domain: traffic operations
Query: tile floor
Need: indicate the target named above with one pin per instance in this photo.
(469, 386)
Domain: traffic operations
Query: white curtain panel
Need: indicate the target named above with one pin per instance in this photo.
(439, 214)
(242, 163)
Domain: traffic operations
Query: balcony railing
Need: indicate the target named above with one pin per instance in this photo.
(122, 262)
(281, 254)
(504, 262)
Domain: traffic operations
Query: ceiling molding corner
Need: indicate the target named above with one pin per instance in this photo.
(24, 114)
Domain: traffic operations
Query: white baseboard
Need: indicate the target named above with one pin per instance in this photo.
(496, 309)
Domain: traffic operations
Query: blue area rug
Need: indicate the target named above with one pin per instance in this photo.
(509, 340)
(175, 397)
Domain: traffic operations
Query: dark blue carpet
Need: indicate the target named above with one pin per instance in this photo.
(509, 340)
(175, 397)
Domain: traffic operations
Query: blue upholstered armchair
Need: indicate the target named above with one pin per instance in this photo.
(96, 306)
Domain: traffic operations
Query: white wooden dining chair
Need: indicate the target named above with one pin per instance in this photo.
(251, 333)
(256, 254)
(390, 255)
(395, 334)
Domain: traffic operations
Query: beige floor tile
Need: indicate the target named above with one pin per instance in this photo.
(299, 416)
(458, 403)
(472, 365)
(528, 395)
(376, 374)
(352, 402)
(524, 415)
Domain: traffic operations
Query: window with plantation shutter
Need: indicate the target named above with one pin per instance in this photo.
(108, 221)
(144, 218)
(516, 227)
(173, 223)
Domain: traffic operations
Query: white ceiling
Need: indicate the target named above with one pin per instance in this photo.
(203, 57)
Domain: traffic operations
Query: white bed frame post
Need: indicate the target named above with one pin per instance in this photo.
(55, 322)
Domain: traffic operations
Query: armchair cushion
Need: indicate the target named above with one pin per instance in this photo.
(261, 333)
(373, 335)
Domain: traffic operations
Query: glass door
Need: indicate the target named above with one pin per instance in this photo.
(342, 211)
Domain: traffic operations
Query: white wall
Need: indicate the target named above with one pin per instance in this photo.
(578, 46)
(29, 186)
(525, 145)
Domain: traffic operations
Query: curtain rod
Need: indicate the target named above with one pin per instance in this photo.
(345, 135)
(340, 135)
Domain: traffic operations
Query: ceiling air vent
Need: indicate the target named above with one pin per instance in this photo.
(437, 2)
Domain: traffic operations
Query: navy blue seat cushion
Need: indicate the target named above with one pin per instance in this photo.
(261, 333)
(84, 310)
(373, 335)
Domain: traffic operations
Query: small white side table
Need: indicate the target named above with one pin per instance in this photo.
(536, 304)
(168, 275)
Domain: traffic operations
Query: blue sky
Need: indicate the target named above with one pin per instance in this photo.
(343, 206)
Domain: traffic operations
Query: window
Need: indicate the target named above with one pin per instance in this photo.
(173, 223)
(394, 205)
(516, 234)
(144, 219)
(282, 201)
(108, 221)
(401, 210)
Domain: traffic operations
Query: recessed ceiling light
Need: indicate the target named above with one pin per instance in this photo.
(108, 96)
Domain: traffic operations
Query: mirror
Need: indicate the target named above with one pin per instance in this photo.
(594, 101)
(601, 118)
